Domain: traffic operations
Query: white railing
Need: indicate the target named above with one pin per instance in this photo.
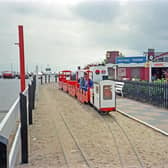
(15, 124)
(10, 120)
(119, 87)
(14, 152)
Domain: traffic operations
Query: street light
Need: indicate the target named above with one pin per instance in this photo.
(115, 71)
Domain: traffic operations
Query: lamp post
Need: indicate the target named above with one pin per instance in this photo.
(150, 71)
(115, 71)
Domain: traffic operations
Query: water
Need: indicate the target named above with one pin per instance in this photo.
(9, 91)
(2, 114)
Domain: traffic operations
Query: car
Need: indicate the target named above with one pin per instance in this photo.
(8, 74)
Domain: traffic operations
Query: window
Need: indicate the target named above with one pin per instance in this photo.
(107, 92)
(135, 72)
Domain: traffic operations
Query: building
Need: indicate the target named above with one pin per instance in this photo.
(111, 56)
(150, 66)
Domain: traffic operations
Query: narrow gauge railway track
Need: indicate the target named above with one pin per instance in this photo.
(116, 131)
(109, 121)
(81, 152)
(62, 147)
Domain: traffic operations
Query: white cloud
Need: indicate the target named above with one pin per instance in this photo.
(74, 33)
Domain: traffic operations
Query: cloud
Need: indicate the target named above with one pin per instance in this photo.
(63, 35)
(98, 11)
(136, 25)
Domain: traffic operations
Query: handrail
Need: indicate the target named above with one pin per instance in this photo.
(3, 125)
(26, 91)
(16, 122)
(14, 149)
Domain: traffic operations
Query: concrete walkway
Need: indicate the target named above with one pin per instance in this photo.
(157, 117)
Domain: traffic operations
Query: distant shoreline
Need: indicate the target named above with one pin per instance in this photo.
(3, 111)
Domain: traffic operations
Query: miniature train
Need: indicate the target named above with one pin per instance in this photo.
(91, 86)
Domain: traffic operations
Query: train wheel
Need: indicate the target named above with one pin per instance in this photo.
(103, 112)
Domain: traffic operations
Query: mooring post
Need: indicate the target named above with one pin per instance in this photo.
(4, 156)
(24, 128)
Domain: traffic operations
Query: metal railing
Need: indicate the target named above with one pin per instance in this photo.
(47, 78)
(152, 93)
(14, 128)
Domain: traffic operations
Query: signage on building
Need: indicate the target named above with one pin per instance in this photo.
(151, 54)
(159, 65)
(147, 64)
(128, 60)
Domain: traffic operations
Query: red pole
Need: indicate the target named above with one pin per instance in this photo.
(22, 62)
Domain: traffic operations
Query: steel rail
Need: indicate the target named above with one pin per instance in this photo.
(114, 139)
(115, 142)
(131, 144)
(62, 147)
(76, 142)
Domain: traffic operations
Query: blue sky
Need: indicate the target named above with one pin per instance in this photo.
(65, 34)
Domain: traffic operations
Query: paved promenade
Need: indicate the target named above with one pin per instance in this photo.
(157, 117)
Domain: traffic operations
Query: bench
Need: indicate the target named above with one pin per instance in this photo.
(119, 87)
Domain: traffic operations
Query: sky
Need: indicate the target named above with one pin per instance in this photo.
(64, 34)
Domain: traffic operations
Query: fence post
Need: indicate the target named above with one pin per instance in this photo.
(41, 77)
(4, 160)
(24, 129)
(45, 78)
(30, 104)
(34, 81)
(48, 78)
(33, 92)
(56, 78)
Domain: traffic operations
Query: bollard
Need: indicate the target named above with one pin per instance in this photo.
(24, 129)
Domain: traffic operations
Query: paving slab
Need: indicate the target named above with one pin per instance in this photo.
(157, 117)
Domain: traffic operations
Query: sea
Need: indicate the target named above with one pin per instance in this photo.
(9, 92)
